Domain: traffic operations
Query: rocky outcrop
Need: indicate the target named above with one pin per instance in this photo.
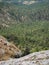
(7, 50)
(37, 58)
(29, 2)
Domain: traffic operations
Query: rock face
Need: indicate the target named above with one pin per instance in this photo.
(7, 50)
(29, 2)
(37, 58)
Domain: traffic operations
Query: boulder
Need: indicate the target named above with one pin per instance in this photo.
(8, 50)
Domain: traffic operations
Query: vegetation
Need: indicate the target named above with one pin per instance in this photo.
(28, 26)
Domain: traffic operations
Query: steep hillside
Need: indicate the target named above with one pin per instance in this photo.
(26, 2)
(18, 13)
(26, 25)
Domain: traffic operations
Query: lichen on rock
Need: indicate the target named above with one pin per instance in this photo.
(7, 50)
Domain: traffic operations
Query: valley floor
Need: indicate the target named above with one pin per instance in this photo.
(37, 58)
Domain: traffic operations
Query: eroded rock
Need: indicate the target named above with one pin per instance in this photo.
(7, 50)
(37, 58)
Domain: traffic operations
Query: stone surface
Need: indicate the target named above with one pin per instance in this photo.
(7, 50)
(37, 58)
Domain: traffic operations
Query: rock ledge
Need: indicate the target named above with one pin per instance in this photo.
(37, 58)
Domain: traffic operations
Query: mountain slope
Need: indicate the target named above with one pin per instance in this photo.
(26, 2)
(26, 25)
(12, 12)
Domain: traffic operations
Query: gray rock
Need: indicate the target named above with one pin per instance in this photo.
(37, 58)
